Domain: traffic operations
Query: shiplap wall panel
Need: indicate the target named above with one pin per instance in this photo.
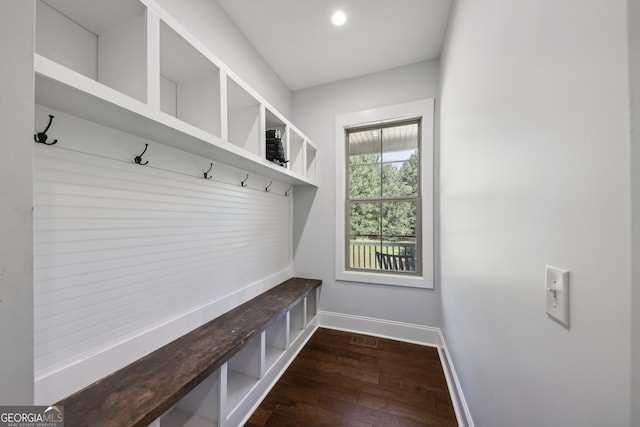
(120, 248)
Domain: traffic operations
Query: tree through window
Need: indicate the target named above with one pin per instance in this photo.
(383, 198)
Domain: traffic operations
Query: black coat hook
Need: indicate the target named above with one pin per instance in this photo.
(138, 159)
(41, 137)
(206, 174)
(268, 186)
(286, 193)
(244, 183)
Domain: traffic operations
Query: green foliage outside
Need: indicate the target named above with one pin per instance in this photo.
(389, 221)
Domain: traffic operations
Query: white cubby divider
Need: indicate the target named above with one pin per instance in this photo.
(130, 65)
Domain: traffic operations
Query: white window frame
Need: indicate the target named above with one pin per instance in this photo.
(423, 110)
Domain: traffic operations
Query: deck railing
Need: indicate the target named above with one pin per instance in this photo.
(363, 254)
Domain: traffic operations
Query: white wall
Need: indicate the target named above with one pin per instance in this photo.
(534, 171)
(16, 166)
(634, 57)
(209, 23)
(315, 110)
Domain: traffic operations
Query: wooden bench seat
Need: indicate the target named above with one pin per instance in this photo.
(141, 392)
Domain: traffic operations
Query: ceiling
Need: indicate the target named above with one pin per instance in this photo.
(299, 42)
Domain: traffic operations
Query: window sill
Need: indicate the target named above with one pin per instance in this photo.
(385, 279)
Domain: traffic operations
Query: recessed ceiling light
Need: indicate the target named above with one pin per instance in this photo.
(339, 18)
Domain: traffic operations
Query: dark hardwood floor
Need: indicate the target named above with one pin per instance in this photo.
(346, 379)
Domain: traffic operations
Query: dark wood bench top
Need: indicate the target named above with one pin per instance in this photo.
(140, 392)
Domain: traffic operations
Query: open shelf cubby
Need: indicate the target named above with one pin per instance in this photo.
(104, 41)
(276, 339)
(273, 122)
(296, 159)
(199, 408)
(311, 302)
(243, 373)
(296, 322)
(243, 119)
(189, 83)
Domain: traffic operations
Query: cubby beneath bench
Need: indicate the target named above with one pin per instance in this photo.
(213, 375)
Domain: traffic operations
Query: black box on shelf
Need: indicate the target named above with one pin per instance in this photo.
(275, 149)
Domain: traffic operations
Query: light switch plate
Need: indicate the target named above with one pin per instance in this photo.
(557, 293)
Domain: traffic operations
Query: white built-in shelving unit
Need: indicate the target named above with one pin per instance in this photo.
(129, 65)
(228, 396)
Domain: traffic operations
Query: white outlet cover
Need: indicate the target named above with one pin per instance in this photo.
(557, 294)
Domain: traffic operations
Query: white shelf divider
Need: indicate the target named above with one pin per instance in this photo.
(153, 60)
(224, 114)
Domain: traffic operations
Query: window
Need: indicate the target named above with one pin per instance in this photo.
(384, 195)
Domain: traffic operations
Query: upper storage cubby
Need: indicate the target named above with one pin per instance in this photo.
(102, 40)
(276, 144)
(296, 152)
(189, 83)
(243, 119)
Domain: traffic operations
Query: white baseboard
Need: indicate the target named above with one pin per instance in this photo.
(60, 381)
(457, 396)
(407, 332)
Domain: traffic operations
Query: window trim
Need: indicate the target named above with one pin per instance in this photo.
(423, 110)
